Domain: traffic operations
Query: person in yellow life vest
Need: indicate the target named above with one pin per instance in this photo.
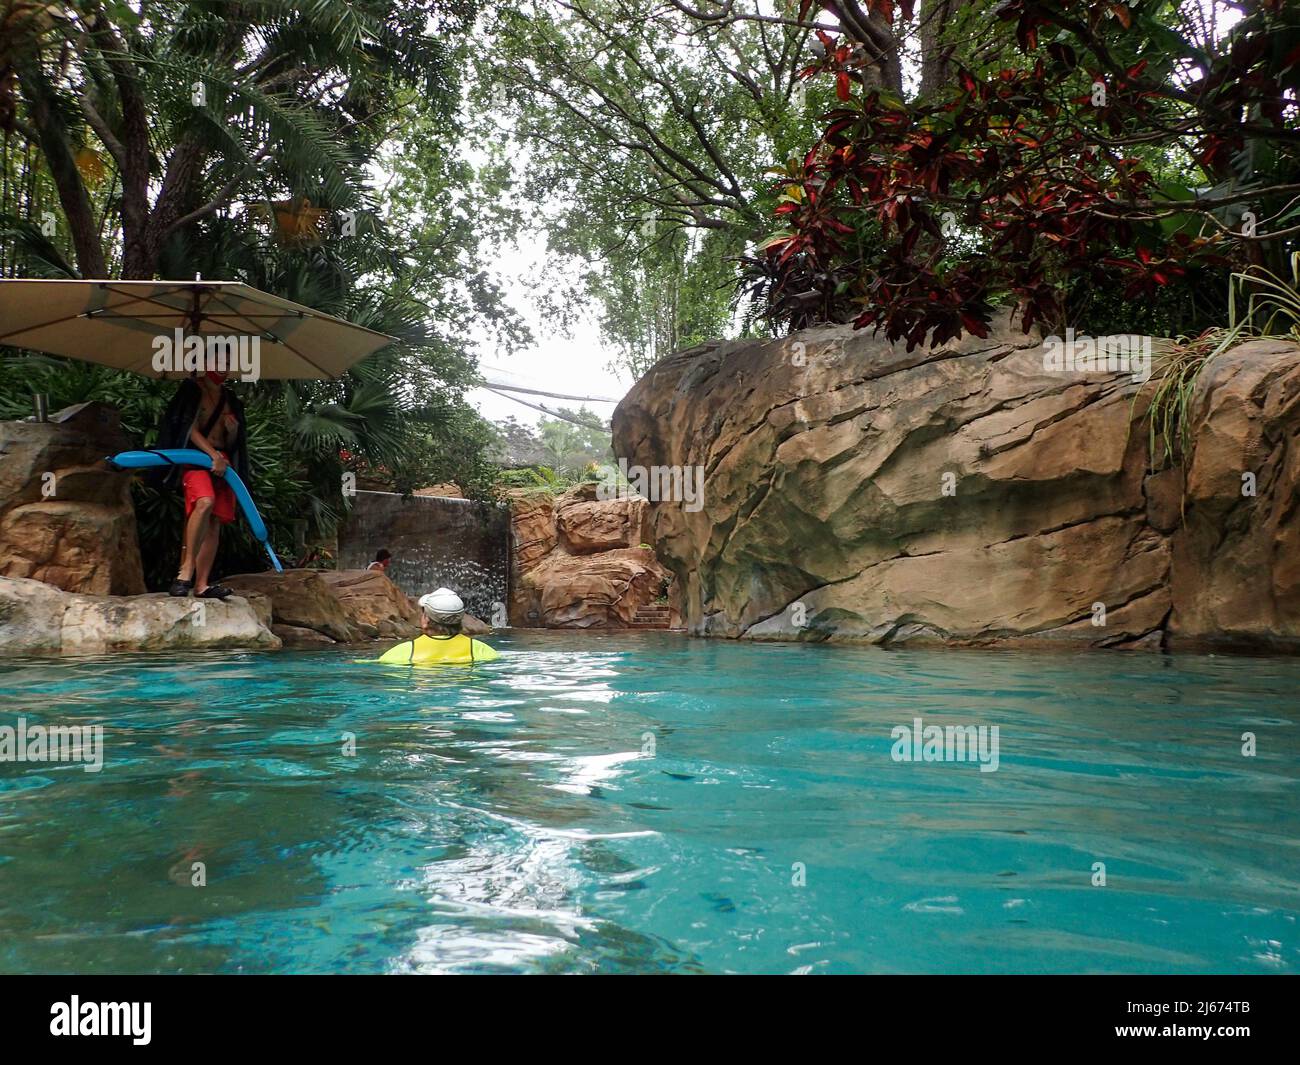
(442, 643)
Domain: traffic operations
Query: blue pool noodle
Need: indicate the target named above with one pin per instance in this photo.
(135, 460)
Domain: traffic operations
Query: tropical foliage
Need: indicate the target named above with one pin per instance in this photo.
(308, 149)
(1133, 148)
(1261, 304)
(149, 118)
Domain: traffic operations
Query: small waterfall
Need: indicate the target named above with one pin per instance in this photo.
(436, 542)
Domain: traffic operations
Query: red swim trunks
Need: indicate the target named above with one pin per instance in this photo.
(200, 484)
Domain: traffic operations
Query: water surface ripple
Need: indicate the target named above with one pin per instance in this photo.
(647, 802)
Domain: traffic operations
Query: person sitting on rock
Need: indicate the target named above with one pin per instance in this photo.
(442, 642)
(206, 415)
(383, 558)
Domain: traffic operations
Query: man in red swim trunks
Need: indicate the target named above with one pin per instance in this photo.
(205, 415)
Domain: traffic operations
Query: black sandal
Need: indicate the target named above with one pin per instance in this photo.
(215, 591)
(180, 589)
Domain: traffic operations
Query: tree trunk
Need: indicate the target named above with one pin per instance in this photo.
(52, 136)
(876, 34)
(935, 66)
(142, 249)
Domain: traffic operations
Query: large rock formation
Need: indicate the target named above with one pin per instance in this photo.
(320, 607)
(316, 608)
(373, 604)
(1236, 558)
(300, 599)
(65, 518)
(39, 619)
(578, 560)
(297, 608)
(532, 529)
(853, 490)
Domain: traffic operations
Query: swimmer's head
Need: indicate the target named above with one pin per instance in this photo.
(442, 609)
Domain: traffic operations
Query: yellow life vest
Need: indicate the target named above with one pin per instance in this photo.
(457, 650)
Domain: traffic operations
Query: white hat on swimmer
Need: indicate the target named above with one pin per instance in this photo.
(442, 605)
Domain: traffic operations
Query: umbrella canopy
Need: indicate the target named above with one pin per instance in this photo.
(136, 325)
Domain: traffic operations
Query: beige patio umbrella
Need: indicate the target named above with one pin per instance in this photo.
(117, 323)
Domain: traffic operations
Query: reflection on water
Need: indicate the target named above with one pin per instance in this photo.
(647, 802)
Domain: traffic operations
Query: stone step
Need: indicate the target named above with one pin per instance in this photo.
(652, 617)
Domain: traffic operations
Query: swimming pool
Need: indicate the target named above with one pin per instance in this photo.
(648, 802)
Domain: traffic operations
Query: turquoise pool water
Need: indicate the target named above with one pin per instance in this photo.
(654, 803)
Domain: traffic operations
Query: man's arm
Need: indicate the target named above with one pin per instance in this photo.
(205, 445)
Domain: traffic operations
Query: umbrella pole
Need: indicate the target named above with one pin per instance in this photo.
(196, 316)
(41, 404)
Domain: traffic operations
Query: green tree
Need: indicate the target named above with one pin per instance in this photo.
(150, 118)
(643, 137)
(570, 447)
(517, 445)
(1093, 164)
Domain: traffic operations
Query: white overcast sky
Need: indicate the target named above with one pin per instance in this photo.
(576, 365)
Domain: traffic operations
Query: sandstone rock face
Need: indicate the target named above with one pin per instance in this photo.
(586, 526)
(65, 518)
(599, 591)
(532, 527)
(373, 603)
(297, 636)
(472, 626)
(578, 562)
(1236, 560)
(449, 490)
(967, 495)
(319, 607)
(301, 598)
(39, 619)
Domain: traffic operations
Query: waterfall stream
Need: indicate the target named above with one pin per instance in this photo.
(436, 542)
